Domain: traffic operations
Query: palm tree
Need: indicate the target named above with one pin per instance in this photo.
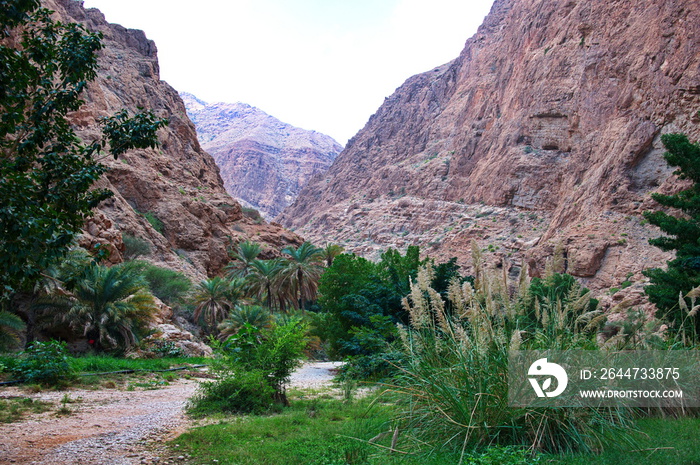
(303, 271)
(10, 327)
(243, 256)
(109, 305)
(254, 315)
(330, 251)
(214, 298)
(263, 282)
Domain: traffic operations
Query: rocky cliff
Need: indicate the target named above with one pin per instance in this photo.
(171, 197)
(544, 130)
(263, 161)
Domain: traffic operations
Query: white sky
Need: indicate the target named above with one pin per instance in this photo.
(325, 65)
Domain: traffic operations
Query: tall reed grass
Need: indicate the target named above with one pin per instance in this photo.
(455, 383)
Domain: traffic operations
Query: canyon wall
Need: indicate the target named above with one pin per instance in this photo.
(177, 185)
(544, 131)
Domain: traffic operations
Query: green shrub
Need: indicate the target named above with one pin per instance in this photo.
(169, 286)
(253, 214)
(239, 391)
(154, 221)
(135, 247)
(44, 363)
(274, 353)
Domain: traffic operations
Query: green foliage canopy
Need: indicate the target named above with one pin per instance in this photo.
(46, 171)
(357, 293)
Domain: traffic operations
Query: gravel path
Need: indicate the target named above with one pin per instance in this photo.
(115, 427)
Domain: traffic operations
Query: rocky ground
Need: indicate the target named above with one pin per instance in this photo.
(114, 427)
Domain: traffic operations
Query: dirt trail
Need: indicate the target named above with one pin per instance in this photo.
(114, 427)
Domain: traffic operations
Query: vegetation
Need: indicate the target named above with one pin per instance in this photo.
(110, 306)
(302, 272)
(254, 366)
(214, 298)
(455, 376)
(46, 171)
(242, 258)
(13, 410)
(682, 236)
(327, 431)
(360, 304)
(11, 326)
(329, 252)
(264, 284)
(135, 247)
(253, 315)
(169, 286)
(43, 363)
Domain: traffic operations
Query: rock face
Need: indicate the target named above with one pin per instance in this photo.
(544, 130)
(263, 161)
(171, 197)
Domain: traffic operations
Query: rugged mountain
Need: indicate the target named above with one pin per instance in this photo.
(544, 130)
(263, 161)
(177, 185)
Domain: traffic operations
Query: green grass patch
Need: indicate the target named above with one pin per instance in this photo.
(325, 431)
(13, 410)
(321, 431)
(661, 441)
(105, 363)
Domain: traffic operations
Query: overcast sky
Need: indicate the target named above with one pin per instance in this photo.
(325, 65)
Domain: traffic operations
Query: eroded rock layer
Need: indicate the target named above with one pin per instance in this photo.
(544, 130)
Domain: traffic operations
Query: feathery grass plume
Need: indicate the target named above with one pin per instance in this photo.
(558, 260)
(456, 296)
(523, 281)
(418, 307)
(688, 328)
(477, 264)
(455, 380)
(437, 306)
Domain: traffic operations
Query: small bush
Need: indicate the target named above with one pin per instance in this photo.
(135, 247)
(44, 363)
(169, 286)
(154, 221)
(254, 365)
(253, 214)
(237, 392)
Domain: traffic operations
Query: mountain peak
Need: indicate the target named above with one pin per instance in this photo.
(263, 161)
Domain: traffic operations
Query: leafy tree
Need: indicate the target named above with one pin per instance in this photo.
(111, 306)
(46, 171)
(303, 270)
(357, 293)
(243, 256)
(682, 232)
